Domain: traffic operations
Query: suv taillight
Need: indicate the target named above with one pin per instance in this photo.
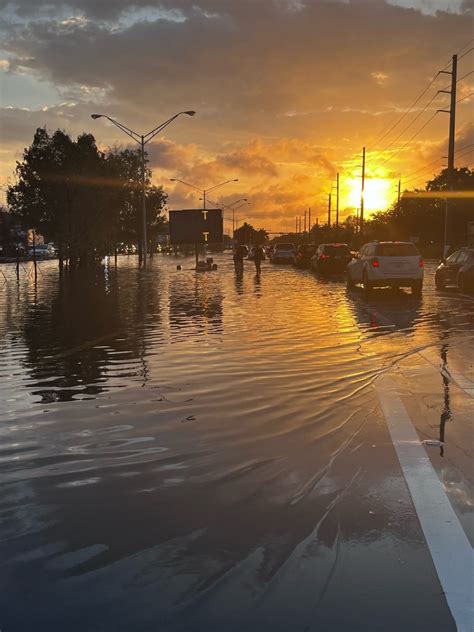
(323, 256)
(375, 263)
(421, 263)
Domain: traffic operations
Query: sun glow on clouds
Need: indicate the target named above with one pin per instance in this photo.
(379, 193)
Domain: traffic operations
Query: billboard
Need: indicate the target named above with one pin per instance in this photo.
(196, 226)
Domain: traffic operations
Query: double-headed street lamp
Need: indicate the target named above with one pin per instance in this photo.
(142, 140)
(233, 206)
(204, 192)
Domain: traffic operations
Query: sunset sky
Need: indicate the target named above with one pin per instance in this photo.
(286, 92)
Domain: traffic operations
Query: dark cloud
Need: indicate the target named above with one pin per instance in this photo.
(311, 81)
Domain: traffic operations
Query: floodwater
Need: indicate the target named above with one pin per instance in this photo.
(198, 452)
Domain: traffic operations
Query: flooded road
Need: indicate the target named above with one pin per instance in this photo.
(190, 452)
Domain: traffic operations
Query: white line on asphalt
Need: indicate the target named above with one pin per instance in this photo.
(449, 546)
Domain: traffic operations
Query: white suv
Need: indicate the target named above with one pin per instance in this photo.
(387, 263)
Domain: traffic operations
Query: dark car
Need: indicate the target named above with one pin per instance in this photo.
(457, 270)
(331, 258)
(303, 255)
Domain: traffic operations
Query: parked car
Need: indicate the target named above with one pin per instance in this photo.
(387, 263)
(331, 258)
(251, 255)
(303, 255)
(457, 270)
(42, 251)
(283, 253)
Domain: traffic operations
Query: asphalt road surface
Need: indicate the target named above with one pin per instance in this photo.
(185, 452)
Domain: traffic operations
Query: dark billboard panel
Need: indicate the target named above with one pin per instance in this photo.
(196, 226)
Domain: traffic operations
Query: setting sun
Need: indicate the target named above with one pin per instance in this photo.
(379, 193)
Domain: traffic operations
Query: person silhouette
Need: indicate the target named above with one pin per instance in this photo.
(259, 255)
(239, 259)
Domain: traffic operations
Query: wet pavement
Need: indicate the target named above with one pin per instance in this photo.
(189, 452)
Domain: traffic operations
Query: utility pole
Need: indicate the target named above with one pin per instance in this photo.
(337, 201)
(329, 210)
(309, 222)
(399, 190)
(305, 221)
(296, 224)
(448, 223)
(362, 192)
(452, 119)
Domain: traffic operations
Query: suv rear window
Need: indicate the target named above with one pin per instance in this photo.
(336, 250)
(284, 247)
(396, 250)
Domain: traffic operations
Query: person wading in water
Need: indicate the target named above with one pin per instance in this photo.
(259, 255)
(239, 259)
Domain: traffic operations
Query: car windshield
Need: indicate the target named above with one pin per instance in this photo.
(396, 250)
(336, 249)
(284, 247)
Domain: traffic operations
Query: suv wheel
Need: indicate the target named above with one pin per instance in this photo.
(349, 282)
(416, 288)
(366, 283)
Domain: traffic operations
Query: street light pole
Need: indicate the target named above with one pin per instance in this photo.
(142, 140)
(144, 231)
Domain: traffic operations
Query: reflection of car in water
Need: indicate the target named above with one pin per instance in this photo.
(386, 313)
(457, 270)
(331, 258)
(387, 264)
(303, 255)
(283, 253)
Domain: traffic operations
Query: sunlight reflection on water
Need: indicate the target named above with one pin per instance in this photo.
(217, 420)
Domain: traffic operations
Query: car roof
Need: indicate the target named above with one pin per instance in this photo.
(334, 243)
(391, 242)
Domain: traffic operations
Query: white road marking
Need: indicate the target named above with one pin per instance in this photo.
(449, 546)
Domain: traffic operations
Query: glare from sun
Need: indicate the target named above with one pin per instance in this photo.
(379, 194)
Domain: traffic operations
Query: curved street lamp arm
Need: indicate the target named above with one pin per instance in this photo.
(136, 137)
(241, 204)
(192, 186)
(157, 130)
(221, 184)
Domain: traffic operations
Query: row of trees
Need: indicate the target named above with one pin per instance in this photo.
(84, 200)
(249, 236)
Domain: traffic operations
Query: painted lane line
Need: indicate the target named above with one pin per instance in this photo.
(449, 546)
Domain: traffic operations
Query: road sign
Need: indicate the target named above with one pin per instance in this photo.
(196, 226)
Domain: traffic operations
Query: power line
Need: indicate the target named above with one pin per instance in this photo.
(464, 76)
(409, 141)
(466, 53)
(466, 147)
(465, 45)
(426, 167)
(407, 112)
(410, 124)
(466, 97)
(466, 150)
